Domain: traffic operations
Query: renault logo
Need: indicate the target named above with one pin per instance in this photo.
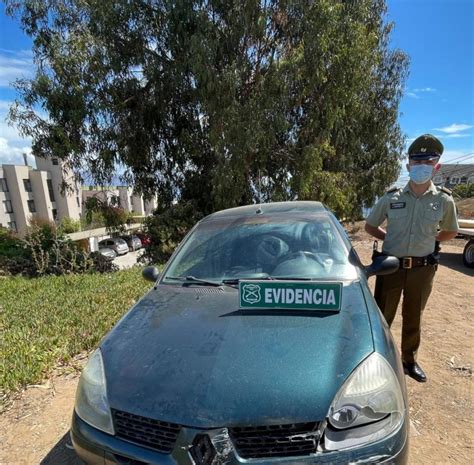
(202, 450)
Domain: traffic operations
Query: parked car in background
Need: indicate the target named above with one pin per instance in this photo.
(145, 238)
(107, 252)
(133, 242)
(116, 243)
(260, 343)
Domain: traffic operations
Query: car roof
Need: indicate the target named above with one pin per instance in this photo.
(299, 206)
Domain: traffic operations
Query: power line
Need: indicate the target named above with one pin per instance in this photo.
(466, 155)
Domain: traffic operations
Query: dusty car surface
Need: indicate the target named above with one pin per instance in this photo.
(260, 343)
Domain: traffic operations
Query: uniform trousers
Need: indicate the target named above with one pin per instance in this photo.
(416, 284)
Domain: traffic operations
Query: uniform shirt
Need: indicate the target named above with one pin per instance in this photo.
(412, 222)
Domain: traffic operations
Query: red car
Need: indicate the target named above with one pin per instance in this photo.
(145, 238)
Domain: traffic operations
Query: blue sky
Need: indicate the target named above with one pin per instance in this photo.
(439, 98)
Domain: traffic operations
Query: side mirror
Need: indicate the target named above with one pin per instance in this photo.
(381, 265)
(151, 273)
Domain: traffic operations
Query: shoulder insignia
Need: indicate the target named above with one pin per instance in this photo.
(392, 189)
(445, 190)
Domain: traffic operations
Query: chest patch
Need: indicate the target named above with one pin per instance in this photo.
(397, 205)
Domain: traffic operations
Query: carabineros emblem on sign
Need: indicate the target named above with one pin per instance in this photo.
(290, 295)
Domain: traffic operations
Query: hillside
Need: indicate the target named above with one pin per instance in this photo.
(465, 208)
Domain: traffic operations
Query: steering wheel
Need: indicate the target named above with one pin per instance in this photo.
(303, 253)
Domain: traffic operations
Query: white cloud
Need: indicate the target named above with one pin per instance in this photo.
(454, 128)
(413, 93)
(15, 65)
(10, 155)
(425, 89)
(12, 145)
(452, 136)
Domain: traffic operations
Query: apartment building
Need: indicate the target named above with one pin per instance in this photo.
(124, 197)
(27, 193)
(450, 175)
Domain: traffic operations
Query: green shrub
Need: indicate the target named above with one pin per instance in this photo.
(68, 225)
(167, 229)
(464, 191)
(46, 250)
(10, 245)
(48, 320)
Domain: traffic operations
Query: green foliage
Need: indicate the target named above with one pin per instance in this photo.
(46, 250)
(92, 221)
(46, 321)
(219, 103)
(167, 229)
(464, 191)
(114, 218)
(10, 245)
(68, 225)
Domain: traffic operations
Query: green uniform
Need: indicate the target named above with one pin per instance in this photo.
(412, 224)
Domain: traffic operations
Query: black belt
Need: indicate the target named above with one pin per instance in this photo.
(412, 262)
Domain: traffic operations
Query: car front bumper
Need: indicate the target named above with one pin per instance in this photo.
(98, 448)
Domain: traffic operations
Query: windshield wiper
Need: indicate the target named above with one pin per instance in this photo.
(194, 280)
(290, 278)
(237, 280)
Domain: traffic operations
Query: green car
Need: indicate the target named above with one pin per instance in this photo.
(260, 343)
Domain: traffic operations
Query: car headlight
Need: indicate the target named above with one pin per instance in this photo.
(92, 405)
(368, 407)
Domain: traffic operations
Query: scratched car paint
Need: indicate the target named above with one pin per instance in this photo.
(197, 372)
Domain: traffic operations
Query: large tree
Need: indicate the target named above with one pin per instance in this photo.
(217, 102)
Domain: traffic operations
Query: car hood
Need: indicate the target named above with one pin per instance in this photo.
(187, 355)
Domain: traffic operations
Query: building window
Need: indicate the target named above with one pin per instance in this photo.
(7, 206)
(31, 206)
(55, 214)
(131, 200)
(464, 180)
(454, 180)
(12, 225)
(55, 161)
(3, 185)
(438, 179)
(27, 184)
(78, 202)
(50, 189)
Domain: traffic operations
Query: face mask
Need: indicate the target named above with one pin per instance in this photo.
(420, 174)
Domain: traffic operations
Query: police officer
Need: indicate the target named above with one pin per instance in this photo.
(414, 214)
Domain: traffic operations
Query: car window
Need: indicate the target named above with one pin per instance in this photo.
(280, 247)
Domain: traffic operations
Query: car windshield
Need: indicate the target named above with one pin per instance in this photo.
(263, 247)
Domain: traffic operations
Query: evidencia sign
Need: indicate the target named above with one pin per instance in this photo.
(290, 295)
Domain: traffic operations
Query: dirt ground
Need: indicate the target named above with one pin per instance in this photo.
(34, 429)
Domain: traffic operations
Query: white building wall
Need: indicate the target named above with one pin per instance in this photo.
(138, 206)
(6, 219)
(104, 195)
(15, 175)
(44, 206)
(150, 206)
(126, 199)
(68, 202)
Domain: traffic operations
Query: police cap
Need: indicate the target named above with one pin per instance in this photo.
(425, 147)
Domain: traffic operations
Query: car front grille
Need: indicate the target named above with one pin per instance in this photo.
(296, 439)
(154, 434)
